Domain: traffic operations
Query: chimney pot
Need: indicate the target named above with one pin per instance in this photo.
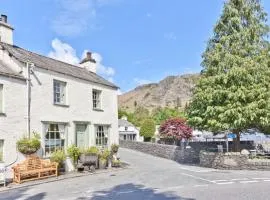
(4, 18)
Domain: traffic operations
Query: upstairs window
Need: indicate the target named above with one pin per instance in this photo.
(96, 99)
(59, 92)
(1, 98)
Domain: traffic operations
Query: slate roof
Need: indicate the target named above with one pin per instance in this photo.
(9, 72)
(54, 65)
(125, 123)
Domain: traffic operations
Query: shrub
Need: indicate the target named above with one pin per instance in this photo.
(29, 145)
(114, 148)
(105, 154)
(116, 163)
(58, 156)
(147, 129)
(74, 152)
(176, 129)
(92, 150)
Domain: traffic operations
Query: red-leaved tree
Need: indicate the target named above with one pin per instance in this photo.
(175, 128)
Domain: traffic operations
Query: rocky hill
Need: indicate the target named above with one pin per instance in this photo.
(173, 91)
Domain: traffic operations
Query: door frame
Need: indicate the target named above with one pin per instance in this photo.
(87, 130)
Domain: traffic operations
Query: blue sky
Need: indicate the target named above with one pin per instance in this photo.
(134, 41)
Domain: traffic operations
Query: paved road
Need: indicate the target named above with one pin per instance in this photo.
(153, 178)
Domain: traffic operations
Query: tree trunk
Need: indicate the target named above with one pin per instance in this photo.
(237, 142)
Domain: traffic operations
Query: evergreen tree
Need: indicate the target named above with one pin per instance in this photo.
(234, 90)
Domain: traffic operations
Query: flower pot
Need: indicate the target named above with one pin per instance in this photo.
(102, 164)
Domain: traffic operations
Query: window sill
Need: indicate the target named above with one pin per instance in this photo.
(98, 110)
(2, 114)
(61, 105)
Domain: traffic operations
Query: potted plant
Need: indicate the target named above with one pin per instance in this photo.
(59, 156)
(74, 153)
(103, 158)
(29, 146)
(89, 157)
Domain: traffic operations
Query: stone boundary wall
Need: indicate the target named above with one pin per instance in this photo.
(176, 153)
(180, 153)
(235, 161)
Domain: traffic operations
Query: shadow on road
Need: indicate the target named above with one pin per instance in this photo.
(21, 193)
(132, 192)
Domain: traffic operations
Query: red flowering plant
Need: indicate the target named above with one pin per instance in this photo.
(176, 129)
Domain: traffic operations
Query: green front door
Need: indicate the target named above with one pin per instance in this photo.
(82, 138)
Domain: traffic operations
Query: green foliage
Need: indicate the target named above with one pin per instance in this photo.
(136, 118)
(104, 155)
(92, 150)
(116, 163)
(114, 148)
(58, 156)
(233, 92)
(159, 115)
(148, 129)
(74, 152)
(29, 146)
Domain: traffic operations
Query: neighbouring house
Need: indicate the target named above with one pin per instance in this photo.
(64, 103)
(127, 131)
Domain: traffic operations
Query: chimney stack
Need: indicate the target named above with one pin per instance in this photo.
(4, 18)
(89, 63)
(6, 31)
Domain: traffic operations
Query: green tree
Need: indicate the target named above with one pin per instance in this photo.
(233, 92)
(148, 129)
(160, 115)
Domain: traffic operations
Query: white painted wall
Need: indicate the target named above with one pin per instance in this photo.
(79, 102)
(13, 123)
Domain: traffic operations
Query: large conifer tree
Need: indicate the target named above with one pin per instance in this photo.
(234, 90)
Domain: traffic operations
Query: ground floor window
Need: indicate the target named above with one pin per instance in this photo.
(131, 137)
(54, 138)
(101, 135)
(1, 150)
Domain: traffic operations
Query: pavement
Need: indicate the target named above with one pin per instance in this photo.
(150, 178)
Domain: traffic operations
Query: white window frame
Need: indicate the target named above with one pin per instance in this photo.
(55, 137)
(59, 92)
(102, 135)
(2, 98)
(2, 142)
(96, 99)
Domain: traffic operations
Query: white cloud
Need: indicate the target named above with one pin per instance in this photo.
(66, 53)
(76, 16)
(141, 81)
(170, 36)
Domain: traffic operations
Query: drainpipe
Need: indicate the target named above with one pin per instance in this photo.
(29, 66)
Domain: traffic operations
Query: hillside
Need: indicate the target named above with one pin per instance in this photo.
(173, 91)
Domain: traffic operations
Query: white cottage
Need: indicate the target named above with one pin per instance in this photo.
(127, 131)
(66, 104)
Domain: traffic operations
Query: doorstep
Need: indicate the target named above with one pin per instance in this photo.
(70, 175)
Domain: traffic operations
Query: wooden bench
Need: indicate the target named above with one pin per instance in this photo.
(34, 168)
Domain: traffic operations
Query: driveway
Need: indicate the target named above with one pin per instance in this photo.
(150, 177)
